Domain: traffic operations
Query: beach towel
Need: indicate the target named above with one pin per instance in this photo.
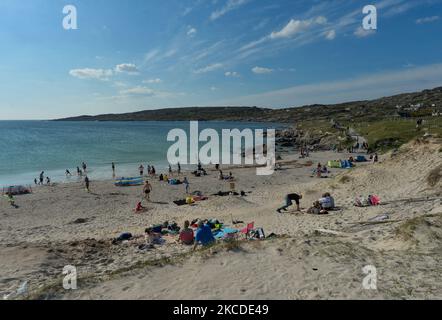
(334, 164)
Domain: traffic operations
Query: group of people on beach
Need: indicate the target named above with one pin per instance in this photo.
(321, 206)
(41, 178)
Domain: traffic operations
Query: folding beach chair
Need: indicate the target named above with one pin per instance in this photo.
(248, 229)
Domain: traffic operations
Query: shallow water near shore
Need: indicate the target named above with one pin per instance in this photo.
(30, 147)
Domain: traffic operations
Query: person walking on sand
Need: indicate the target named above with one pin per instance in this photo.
(87, 183)
(186, 184)
(146, 190)
(289, 201)
(141, 168)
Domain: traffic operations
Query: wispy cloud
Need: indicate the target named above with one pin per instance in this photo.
(88, 73)
(150, 81)
(209, 68)
(232, 74)
(191, 32)
(362, 33)
(427, 20)
(229, 6)
(145, 91)
(296, 26)
(261, 70)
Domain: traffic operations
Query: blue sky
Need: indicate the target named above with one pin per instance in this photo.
(148, 54)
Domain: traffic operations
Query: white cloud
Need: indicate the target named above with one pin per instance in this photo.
(191, 32)
(88, 73)
(229, 6)
(232, 74)
(296, 26)
(150, 81)
(427, 20)
(330, 35)
(127, 68)
(261, 70)
(362, 33)
(209, 68)
(138, 91)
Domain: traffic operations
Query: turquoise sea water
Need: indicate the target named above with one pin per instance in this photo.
(29, 147)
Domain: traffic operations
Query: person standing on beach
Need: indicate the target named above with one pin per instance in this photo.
(48, 181)
(87, 183)
(288, 202)
(68, 173)
(84, 167)
(146, 190)
(113, 168)
(170, 170)
(186, 184)
(35, 181)
(141, 168)
(42, 177)
(179, 168)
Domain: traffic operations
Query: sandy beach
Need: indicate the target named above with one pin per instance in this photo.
(310, 256)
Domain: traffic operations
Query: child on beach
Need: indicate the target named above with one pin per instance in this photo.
(139, 207)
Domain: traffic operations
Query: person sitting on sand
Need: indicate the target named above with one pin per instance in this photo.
(220, 175)
(203, 235)
(152, 237)
(231, 176)
(289, 201)
(146, 190)
(327, 201)
(186, 235)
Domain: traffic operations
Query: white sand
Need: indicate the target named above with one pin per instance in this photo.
(39, 238)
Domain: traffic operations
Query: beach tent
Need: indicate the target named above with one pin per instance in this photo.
(334, 164)
(17, 190)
